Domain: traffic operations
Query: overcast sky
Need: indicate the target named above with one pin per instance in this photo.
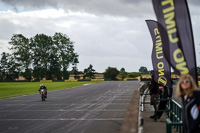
(106, 32)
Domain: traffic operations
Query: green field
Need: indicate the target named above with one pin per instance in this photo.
(12, 89)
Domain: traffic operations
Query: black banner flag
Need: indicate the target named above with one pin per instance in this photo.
(162, 73)
(174, 16)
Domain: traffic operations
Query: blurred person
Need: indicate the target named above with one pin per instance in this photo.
(190, 95)
(154, 91)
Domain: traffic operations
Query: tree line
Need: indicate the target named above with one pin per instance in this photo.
(40, 56)
(49, 57)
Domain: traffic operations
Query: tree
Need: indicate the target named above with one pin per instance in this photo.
(143, 69)
(52, 55)
(42, 56)
(65, 52)
(75, 69)
(42, 47)
(54, 71)
(8, 67)
(89, 72)
(122, 73)
(4, 65)
(111, 73)
(22, 54)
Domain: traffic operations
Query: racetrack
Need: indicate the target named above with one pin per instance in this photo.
(93, 108)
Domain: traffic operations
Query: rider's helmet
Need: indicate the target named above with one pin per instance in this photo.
(41, 85)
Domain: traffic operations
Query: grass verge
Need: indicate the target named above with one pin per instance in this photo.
(13, 89)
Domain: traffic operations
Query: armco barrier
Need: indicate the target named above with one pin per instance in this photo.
(84, 80)
(144, 87)
(132, 79)
(35, 81)
(142, 97)
(46, 81)
(107, 79)
(14, 81)
(97, 79)
(71, 80)
(58, 80)
(143, 93)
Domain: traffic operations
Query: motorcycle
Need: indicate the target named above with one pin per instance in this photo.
(43, 94)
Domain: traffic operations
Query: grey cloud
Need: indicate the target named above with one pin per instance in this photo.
(194, 2)
(108, 7)
(101, 41)
(6, 28)
(30, 4)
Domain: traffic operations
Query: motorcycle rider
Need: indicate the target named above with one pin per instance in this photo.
(43, 87)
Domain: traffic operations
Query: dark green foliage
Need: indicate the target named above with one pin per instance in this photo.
(65, 52)
(143, 69)
(40, 57)
(42, 47)
(89, 72)
(27, 74)
(22, 54)
(74, 68)
(122, 73)
(8, 68)
(111, 73)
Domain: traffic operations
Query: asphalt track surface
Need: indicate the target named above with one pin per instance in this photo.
(92, 108)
